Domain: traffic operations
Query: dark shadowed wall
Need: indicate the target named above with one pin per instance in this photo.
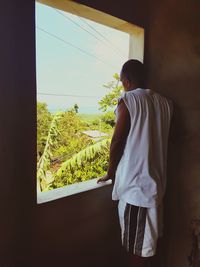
(82, 230)
(77, 231)
(173, 56)
(18, 130)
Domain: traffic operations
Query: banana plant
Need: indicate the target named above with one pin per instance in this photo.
(44, 178)
(83, 157)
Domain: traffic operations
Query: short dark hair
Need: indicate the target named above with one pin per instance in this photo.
(133, 70)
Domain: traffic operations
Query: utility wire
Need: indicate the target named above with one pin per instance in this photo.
(100, 34)
(87, 96)
(74, 46)
(80, 26)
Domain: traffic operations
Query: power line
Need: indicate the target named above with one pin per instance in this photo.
(105, 38)
(53, 94)
(78, 25)
(74, 46)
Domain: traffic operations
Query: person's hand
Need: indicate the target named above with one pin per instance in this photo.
(105, 178)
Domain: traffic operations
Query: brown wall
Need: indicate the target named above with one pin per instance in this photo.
(83, 230)
(173, 56)
(132, 11)
(17, 130)
(80, 230)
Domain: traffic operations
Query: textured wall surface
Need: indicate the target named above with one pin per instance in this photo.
(77, 231)
(18, 130)
(83, 230)
(173, 57)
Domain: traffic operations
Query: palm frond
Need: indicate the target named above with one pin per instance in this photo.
(84, 156)
(44, 162)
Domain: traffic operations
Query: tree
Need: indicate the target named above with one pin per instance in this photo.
(109, 118)
(110, 99)
(89, 163)
(67, 155)
(44, 119)
(71, 139)
(76, 108)
(44, 163)
(64, 139)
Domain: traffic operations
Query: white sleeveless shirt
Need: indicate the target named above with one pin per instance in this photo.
(141, 173)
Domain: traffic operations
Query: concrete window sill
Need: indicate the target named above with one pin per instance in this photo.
(69, 190)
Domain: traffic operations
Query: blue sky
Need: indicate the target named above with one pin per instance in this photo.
(62, 69)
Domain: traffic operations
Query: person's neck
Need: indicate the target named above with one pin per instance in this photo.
(133, 87)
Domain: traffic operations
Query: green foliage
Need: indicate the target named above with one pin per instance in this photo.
(88, 117)
(44, 119)
(71, 140)
(43, 182)
(110, 99)
(65, 154)
(89, 163)
(108, 118)
(102, 123)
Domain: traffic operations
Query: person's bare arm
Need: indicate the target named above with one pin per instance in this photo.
(118, 141)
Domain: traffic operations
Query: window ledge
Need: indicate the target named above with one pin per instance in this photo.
(69, 190)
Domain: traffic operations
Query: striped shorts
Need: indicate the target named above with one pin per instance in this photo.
(140, 228)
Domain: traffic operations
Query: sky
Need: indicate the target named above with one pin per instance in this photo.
(64, 69)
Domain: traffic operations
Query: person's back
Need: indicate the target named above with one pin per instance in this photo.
(141, 173)
(137, 165)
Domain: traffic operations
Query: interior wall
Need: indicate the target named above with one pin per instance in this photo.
(173, 57)
(135, 11)
(83, 230)
(80, 230)
(18, 130)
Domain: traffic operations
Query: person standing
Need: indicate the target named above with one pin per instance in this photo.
(137, 164)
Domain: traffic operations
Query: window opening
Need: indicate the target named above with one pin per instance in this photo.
(78, 63)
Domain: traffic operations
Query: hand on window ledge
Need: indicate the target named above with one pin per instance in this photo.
(105, 178)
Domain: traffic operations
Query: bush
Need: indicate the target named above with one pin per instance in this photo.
(109, 118)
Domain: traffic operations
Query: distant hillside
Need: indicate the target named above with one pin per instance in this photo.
(89, 117)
